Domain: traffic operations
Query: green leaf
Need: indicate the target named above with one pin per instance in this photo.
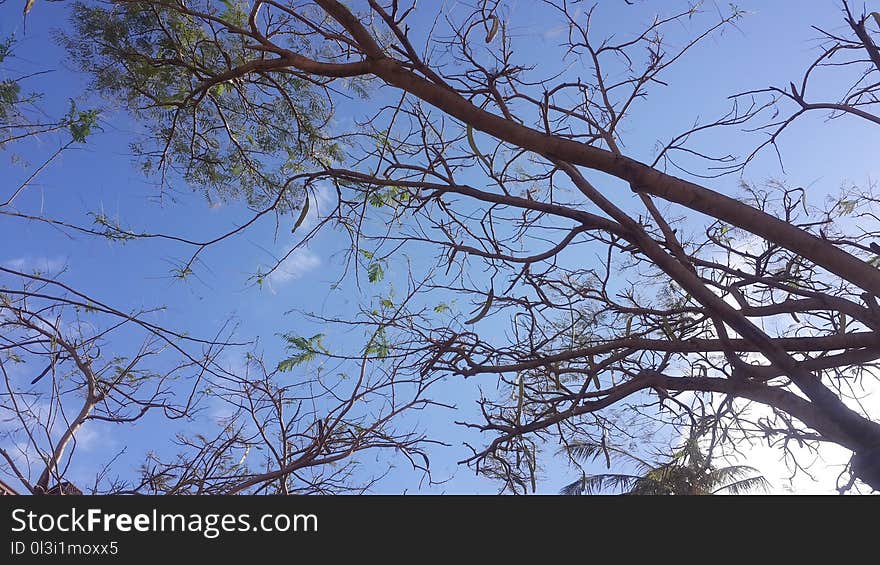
(377, 199)
(375, 272)
(220, 89)
(80, 123)
(233, 13)
(303, 349)
(378, 344)
(847, 206)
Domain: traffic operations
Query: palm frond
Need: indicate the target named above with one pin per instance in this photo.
(745, 486)
(587, 451)
(598, 484)
(575, 488)
(647, 487)
(731, 473)
(584, 451)
(688, 471)
(667, 479)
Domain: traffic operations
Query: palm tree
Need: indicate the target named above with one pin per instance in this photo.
(689, 471)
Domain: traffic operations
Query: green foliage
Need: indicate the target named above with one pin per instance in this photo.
(847, 207)
(375, 273)
(80, 123)
(234, 13)
(688, 472)
(10, 92)
(113, 230)
(378, 344)
(13, 357)
(303, 350)
(182, 273)
(227, 131)
(392, 196)
(5, 48)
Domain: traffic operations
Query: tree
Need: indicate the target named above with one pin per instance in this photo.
(512, 173)
(689, 471)
(278, 435)
(69, 361)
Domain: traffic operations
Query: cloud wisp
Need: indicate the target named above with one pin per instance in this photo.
(296, 265)
(44, 265)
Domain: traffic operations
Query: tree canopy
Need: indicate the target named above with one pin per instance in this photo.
(515, 241)
(688, 471)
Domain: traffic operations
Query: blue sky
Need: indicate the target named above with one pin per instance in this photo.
(771, 46)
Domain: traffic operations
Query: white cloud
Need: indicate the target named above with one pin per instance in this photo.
(44, 265)
(220, 410)
(294, 266)
(88, 437)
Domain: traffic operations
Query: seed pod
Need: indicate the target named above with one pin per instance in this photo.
(485, 309)
(302, 215)
(493, 30)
